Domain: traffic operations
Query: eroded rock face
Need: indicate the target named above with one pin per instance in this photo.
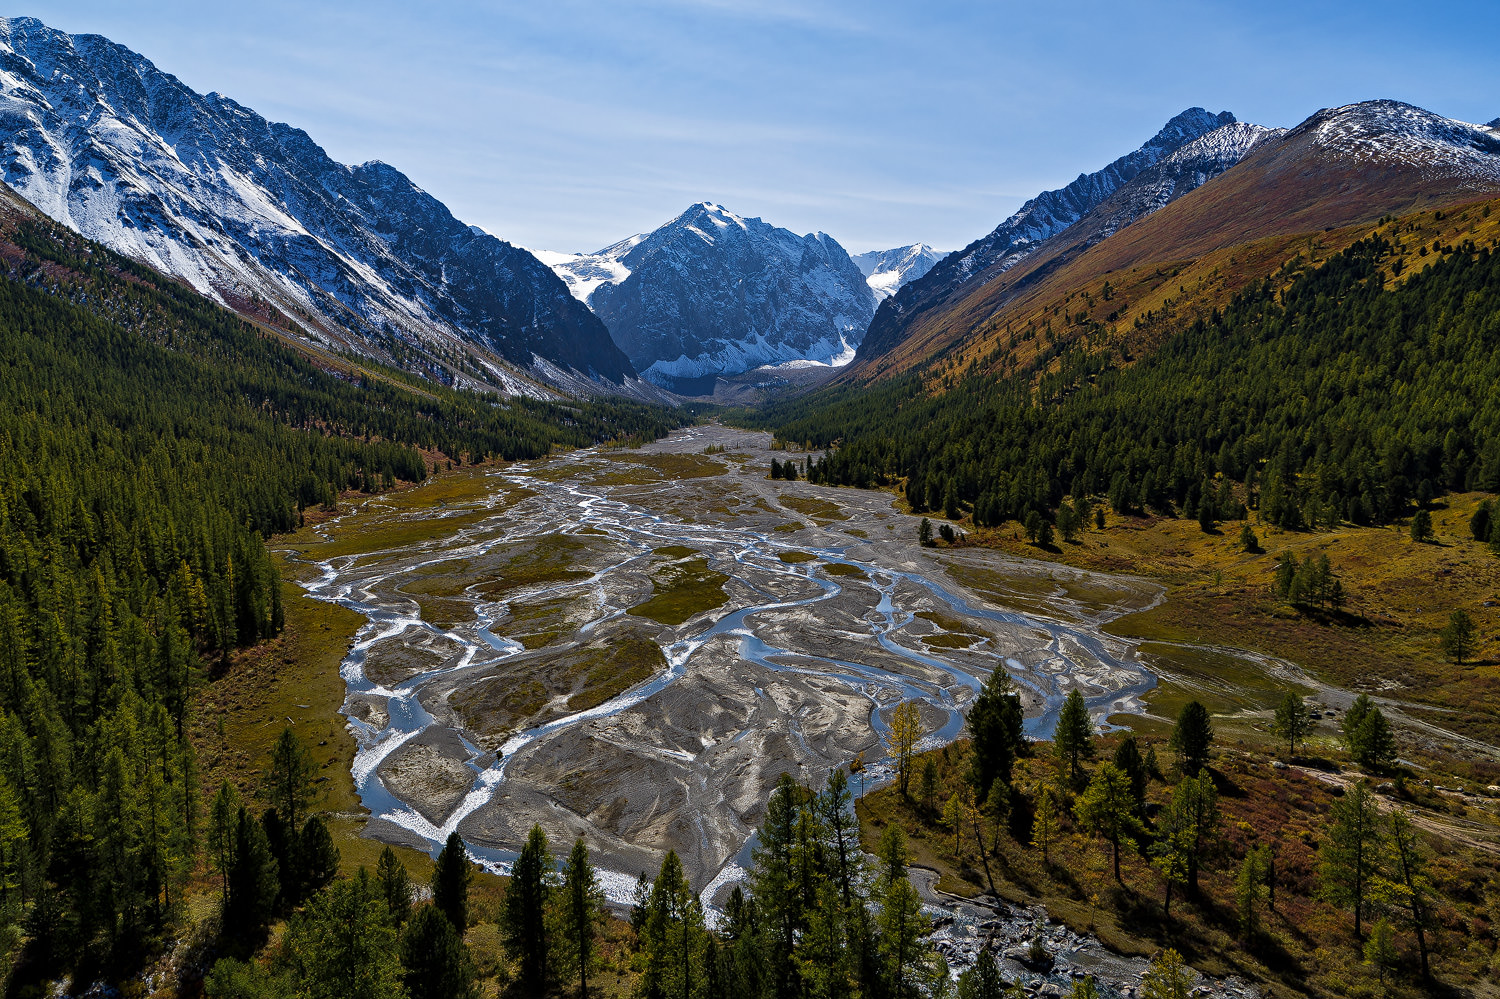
(637, 645)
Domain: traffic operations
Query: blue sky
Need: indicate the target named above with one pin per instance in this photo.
(567, 125)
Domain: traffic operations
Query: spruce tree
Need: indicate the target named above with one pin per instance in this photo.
(450, 882)
(1191, 738)
(524, 918)
(437, 962)
(582, 910)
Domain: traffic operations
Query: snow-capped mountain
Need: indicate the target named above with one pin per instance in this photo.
(1386, 131)
(713, 293)
(887, 271)
(254, 213)
(1041, 218)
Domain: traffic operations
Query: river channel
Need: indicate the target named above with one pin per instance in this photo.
(633, 645)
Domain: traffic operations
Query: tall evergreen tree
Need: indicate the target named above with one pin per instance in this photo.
(394, 883)
(524, 918)
(437, 962)
(1191, 738)
(582, 909)
(451, 876)
(995, 724)
(343, 945)
(253, 882)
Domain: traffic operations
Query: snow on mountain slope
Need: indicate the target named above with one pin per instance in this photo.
(1185, 169)
(1392, 131)
(1041, 218)
(887, 271)
(713, 293)
(583, 272)
(247, 210)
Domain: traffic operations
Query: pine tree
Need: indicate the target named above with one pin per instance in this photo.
(253, 883)
(437, 962)
(1376, 743)
(582, 910)
(1073, 737)
(1129, 761)
(1044, 821)
(1191, 738)
(1421, 526)
(1409, 887)
(1187, 831)
(289, 779)
(1349, 855)
(929, 783)
(1250, 885)
(320, 858)
(1354, 718)
(223, 816)
(524, 918)
(451, 875)
(995, 725)
(903, 939)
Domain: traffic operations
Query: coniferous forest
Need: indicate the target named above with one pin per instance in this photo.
(152, 442)
(1330, 399)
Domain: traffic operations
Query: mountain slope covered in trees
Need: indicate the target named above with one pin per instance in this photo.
(1333, 398)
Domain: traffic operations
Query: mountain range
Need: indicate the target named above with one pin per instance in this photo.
(1202, 186)
(255, 215)
(713, 293)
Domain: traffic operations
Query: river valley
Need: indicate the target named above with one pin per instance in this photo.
(633, 645)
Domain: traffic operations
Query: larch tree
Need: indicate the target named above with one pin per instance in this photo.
(1350, 854)
(1107, 808)
(1073, 737)
(906, 732)
(1292, 721)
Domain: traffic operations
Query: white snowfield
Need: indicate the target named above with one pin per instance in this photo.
(887, 271)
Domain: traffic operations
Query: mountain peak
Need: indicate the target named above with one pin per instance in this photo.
(244, 209)
(1189, 125)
